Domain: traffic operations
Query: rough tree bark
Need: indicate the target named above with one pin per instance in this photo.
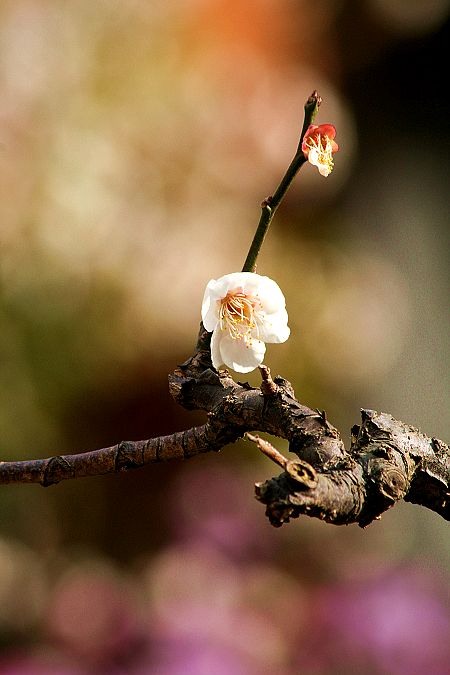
(387, 461)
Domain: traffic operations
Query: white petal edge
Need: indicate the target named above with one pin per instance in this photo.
(236, 354)
(273, 328)
(271, 296)
(216, 357)
(210, 310)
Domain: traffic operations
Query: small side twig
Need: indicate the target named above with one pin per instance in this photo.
(268, 449)
(268, 386)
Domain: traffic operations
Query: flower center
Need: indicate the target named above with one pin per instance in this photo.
(321, 152)
(237, 314)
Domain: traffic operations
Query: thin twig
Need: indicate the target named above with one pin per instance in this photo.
(270, 204)
(268, 449)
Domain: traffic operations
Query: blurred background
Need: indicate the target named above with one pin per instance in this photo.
(137, 140)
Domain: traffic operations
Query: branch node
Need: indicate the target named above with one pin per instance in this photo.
(125, 457)
(302, 473)
(268, 386)
(267, 203)
(56, 468)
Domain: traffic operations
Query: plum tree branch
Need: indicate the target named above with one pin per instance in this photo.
(386, 462)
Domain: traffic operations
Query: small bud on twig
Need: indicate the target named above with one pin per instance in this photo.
(268, 386)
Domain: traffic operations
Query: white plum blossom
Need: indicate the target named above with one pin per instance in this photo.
(243, 311)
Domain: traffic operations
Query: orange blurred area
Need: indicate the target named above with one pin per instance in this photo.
(137, 141)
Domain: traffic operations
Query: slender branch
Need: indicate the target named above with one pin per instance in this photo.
(120, 457)
(124, 456)
(270, 204)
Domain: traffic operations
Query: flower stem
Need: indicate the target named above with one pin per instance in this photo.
(270, 204)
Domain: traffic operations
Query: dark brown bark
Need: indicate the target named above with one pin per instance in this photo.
(387, 461)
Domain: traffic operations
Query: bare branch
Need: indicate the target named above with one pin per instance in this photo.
(121, 457)
(387, 460)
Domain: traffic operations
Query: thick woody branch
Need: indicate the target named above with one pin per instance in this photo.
(387, 460)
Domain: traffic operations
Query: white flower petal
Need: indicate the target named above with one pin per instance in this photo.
(216, 337)
(232, 281)
(250, 282)
(270, 295)
(210, 309)
(236, 341)
(216, 290)
(313, 157)
(240, 356)
(324, 170)
(274, 327)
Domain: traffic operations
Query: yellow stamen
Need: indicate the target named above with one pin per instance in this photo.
(237, 315)
(322, 153)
